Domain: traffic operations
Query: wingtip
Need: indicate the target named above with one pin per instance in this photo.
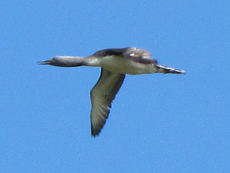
(95, 133)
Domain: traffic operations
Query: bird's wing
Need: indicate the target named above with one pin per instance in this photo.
(139, 55)
(102, 95)
(133, 53)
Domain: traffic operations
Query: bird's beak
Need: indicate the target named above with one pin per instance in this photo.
(43, 62)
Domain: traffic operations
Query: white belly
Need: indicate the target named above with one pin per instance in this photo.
(125, 66)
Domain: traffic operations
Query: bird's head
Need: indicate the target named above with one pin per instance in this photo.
(63, 61)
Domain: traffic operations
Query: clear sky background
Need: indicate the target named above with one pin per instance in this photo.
(158, 122)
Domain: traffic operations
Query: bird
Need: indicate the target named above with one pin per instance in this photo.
(115, 63)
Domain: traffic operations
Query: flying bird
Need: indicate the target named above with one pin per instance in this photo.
(115, 64)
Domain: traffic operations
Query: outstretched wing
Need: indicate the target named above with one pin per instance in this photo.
(102, 95)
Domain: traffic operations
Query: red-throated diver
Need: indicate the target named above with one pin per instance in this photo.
(114, 63)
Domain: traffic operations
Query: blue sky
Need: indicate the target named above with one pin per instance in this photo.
(158, 122)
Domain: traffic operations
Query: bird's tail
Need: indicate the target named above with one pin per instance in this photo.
(165, 69)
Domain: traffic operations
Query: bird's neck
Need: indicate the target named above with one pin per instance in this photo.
(68, 61)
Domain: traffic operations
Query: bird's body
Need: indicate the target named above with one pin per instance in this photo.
(115, 63)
